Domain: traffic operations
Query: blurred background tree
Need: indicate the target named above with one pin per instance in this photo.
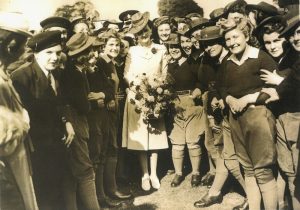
(178, 8)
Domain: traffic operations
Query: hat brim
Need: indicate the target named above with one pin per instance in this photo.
(262, 8)
(267, 20)
(89, 43)
(200, 26)
(289, 27)
(18, 31)
(136, 29)
(208, 39)
(125, 13)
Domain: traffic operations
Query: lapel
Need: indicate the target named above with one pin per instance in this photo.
(40, 81)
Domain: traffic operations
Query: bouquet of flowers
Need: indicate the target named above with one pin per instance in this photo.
(152, 95)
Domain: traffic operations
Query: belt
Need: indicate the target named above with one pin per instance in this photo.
(183, 92)
(120, 96)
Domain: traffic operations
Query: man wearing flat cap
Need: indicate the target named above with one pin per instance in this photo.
(14, 123)
(50, 129)
(80, 174)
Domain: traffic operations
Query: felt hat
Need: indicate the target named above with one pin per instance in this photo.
(161, 20)
(211, 33)
(77, 19)
(173, 39)
(198, 24)
(15, 22)
(291, 25)
(112, 21)
(127, 14)
(139, 21)
(78, 43)
(56, 21)
(264, 7)
(44, 40)
(234, 4)
(266, 21)
(216, 14)
(193, 14)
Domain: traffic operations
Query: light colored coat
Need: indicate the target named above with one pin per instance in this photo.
(138, 135)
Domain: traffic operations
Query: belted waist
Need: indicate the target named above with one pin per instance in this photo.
(183, 92)
(120, 95)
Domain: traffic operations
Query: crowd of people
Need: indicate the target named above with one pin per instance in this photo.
(68, 123)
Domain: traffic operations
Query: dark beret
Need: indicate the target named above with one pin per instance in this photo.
(56, 21)
(44, 40)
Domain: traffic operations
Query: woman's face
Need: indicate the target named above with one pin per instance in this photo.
(143, 37)
(195, 38)
(236, 17)
(175, 52)
(81, 28)
(295, 39)
(164, 31)
(112, 47)
(236, 41)
(124, 48)
(213, 50)
(186, 44)
(273, 44)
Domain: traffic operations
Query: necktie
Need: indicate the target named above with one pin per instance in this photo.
(51, 82)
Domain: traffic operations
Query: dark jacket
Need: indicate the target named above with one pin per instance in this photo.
(44, 107)
(75, 89)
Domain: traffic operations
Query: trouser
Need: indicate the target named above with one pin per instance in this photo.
(253, 135)
(48, 167)
(288, 126)
(18, 164)
(80, 176)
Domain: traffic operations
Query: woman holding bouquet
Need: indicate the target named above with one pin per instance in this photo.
(139, 133)
(188, 120)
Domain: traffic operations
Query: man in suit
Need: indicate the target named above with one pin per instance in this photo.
(52, 133)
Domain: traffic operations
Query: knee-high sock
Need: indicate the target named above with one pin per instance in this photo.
(153, 164)
(253, 193)
(234, 168)
(110, 175)
(220, 178)
(177, 157)
(269, 194)
(87, 193)
(195, 157)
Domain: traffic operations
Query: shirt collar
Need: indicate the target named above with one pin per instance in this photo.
(181, 60)
(223, 54)
(250, 52)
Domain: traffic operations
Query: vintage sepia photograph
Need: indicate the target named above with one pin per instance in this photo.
(149, 104)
